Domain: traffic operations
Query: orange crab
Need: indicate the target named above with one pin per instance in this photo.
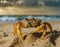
(32, 22)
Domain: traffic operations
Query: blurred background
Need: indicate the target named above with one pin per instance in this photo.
(14, 10)
(29, 7)
(30, 2)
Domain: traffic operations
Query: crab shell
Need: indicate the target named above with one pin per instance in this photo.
(32, 22)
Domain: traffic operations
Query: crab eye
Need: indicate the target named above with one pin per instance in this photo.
(26, 19)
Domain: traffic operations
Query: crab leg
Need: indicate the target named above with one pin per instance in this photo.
(44, 32)
(49, 26)
(41, 28)
(19, 33)
(38, 29)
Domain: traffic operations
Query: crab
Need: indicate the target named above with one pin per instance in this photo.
(33, 23)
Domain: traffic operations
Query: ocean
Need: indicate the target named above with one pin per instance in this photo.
(20, 17)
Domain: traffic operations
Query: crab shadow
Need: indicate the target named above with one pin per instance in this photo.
(52, 37)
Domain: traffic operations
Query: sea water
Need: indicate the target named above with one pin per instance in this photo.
(20, 17)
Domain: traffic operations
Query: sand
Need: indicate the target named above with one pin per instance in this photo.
(7, 39)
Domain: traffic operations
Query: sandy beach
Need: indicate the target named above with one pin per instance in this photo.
(7, 39)
(40, 10)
